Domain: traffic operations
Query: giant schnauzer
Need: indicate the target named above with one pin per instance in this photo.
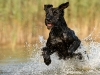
(62, 39)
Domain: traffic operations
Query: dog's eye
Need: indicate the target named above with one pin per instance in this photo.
(55, 13)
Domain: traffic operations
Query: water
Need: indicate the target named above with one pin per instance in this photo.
(34, 65)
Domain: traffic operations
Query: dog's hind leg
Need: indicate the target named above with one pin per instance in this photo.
(79, 55)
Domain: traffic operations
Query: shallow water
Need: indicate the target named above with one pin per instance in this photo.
(28, 61)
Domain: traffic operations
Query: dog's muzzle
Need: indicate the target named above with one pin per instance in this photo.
(49, 26)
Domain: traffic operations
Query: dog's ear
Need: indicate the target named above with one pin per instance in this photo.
(47, 6)
(63, 6)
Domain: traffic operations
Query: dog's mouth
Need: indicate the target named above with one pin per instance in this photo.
(49, 26)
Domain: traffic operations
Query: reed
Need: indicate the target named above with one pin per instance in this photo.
(23, 20)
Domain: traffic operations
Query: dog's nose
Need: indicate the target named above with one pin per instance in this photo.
(48, 19)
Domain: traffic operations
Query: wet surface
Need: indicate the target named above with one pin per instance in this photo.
(28, 61)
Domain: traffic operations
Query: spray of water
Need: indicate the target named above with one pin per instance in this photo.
(89, 63)
(35, 66)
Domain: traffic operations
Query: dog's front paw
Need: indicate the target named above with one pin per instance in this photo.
(47, 61)
(46, 56)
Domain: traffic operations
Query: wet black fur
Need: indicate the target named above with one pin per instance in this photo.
(62, 39)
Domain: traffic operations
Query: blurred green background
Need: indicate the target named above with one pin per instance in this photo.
(22, 21)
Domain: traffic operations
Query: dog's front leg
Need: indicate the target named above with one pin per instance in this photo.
(73, 47)
(46, 55)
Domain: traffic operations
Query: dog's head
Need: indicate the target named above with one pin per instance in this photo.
(53, 15)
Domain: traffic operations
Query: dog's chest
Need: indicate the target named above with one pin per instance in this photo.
(55, 40)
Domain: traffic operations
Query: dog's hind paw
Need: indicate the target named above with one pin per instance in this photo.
(79, 56)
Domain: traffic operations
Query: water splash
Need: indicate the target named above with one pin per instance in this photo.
(35, 65)
(90, 62)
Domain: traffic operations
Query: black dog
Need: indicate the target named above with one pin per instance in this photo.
(61, 38)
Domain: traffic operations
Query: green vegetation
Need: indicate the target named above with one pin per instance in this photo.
(23, 20)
